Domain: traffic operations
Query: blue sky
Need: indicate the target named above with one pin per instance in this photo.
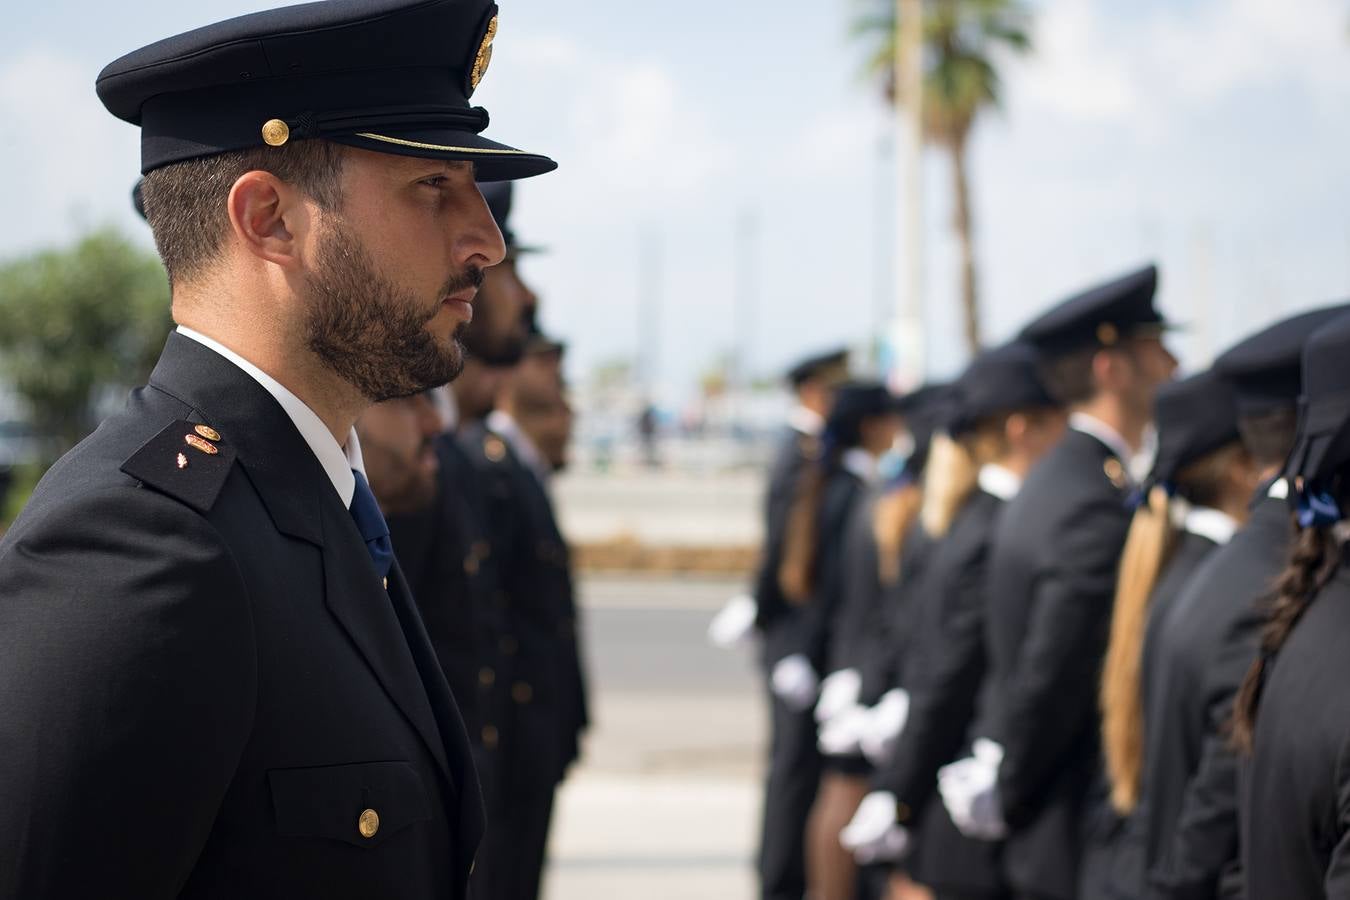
(1208, 135)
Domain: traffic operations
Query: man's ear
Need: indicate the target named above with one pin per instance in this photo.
(268, 218)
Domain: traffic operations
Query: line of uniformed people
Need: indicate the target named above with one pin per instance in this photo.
(1012, 670)
(462, 475)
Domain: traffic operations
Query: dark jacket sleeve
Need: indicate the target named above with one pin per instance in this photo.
(127, 690)
(950, 670)
(1337, 881)
(1203, 851)
(860, 609)
(813, 630)
(1050, 700)
(782, 490)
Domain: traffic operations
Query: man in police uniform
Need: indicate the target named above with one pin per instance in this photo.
(1053, 572)
(1211, 633)
(216, 682)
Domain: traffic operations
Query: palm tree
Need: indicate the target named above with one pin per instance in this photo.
(962, 41)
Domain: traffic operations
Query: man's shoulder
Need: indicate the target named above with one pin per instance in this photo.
(148, 447)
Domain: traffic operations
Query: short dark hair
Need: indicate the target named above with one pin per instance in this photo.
(185, 201)
(1068, 377)
(1269, 435)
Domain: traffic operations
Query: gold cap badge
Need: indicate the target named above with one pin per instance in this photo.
(484, 56)
(275, 132)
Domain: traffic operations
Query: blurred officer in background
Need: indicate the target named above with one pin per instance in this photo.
(1193, 501)
(794, 762)
(1002, 422)
(1053, 574)
(1293, 714)
(861, 427)
(1210, 634)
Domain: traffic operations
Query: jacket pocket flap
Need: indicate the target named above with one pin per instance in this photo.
(360, 804)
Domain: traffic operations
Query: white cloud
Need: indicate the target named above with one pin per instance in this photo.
(73, 160)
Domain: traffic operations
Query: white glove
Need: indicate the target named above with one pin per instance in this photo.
(885, 723)
(734, 625)
(969, 789)
(874, 836)
(842, 734)
(838, 692)
(794, 681)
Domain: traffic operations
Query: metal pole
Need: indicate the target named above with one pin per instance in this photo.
(742, 315)
(909, 320)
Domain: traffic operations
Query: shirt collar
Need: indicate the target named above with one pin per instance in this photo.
(1218, 526)
(1279, 489)
(503, 424)
(1000, 481)
(860, 463)
(807, 421)
(447, 404)
(337, 462)
(1095, 427)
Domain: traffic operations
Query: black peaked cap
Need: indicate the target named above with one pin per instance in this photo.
(499, 195)
(1100, 316)
(1194, 416)
(855, 401)
(393, 76)
(832, 365)
(1266, 369)
(1000, 380)
(1323, 444)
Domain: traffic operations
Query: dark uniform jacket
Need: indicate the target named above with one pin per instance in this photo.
(1121, 863)
(205, 688)
(944, 674)
(1052, 583)
(1202, 654)
(1296, 787)
(548, 690)
(863, 609)
(816, 630)
(445, 553)
(775, 614)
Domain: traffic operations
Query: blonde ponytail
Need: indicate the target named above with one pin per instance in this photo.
(1151, 541)
(949, 479)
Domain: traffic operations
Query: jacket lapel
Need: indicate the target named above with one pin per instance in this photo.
(303, 504)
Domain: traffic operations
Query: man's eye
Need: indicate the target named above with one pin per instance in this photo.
(435, 181)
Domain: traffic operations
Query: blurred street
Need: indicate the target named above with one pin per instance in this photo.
(665, 804)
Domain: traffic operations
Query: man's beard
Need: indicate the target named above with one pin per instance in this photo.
(370, 332)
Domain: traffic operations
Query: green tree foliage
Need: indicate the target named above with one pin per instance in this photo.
(77, 325)
(963, 43)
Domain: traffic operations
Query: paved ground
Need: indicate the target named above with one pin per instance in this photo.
(665, 805)
(661, 507)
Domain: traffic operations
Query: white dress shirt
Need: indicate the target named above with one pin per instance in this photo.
(337, 462)
(807, 421)
(999, 481)
(526, 451)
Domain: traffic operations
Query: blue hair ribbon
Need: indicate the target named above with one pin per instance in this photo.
(1317, 509)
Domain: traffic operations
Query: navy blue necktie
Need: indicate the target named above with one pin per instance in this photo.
(370, 522)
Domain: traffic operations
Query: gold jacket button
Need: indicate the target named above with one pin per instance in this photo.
(522, 692)
(368, 824)
(490, 737)
(508, 645)
(486, 676)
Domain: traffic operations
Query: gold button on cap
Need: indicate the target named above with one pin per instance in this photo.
(368, 824)
(275, 132)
